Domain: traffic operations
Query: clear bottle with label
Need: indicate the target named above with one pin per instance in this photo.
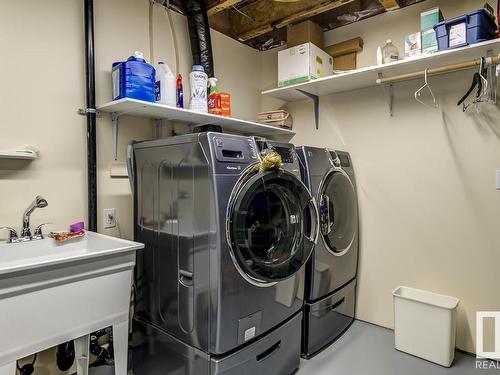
(390, 52)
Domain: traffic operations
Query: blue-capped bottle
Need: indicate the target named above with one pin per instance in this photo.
(134, 79)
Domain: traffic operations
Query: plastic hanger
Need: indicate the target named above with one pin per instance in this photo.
(481, 82)
(418, 93)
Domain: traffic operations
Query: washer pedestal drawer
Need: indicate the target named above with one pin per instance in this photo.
(155, 352)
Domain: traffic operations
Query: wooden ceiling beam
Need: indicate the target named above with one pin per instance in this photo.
(255, 33)
(390, 4)
(299, 16)
(223, 5)
(308, 13)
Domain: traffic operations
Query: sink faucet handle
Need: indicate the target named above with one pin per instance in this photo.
(38, 235)
(13, 237)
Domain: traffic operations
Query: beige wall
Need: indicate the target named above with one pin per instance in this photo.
(43, 80)
(425, 177)
(429, 212)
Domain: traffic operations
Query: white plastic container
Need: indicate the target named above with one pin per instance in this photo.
(380, 59)
(425, 324)
(198, 83)
(165, 88)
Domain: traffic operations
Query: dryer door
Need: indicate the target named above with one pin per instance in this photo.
(271, 227)
(338, 212)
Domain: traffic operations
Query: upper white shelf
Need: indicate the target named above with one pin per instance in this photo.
(366, 77)
(18, 154)
(141, 108)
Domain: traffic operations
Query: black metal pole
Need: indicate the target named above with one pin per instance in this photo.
(91, 115)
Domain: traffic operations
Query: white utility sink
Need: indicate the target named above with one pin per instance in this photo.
(52, 292)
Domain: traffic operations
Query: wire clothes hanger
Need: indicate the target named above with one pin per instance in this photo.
(418, 93)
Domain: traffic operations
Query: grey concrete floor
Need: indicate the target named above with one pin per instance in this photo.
(369, 349)
(366, 349)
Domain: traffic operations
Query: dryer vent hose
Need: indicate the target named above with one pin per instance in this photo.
(199, 34)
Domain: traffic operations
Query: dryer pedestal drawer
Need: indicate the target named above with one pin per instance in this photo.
(277, 353)
(326, 319)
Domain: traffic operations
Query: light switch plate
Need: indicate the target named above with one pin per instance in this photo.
(498, 180)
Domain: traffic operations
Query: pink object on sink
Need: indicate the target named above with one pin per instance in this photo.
(77, 227)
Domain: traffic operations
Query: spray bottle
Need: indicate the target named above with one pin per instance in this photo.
(180, 92)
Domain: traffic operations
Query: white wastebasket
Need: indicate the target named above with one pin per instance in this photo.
(425, 324)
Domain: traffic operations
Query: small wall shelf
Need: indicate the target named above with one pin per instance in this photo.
(139, 108)
(18, 154)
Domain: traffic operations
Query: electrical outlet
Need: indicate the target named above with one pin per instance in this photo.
(109, 218)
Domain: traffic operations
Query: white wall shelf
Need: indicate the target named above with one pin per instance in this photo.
(367, 77)
(139, 108)
(18, 154)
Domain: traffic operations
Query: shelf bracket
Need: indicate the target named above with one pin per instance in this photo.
(389, 94)
(391, 99)
(158, 128)
(493, 77)
(315, 99)
(114, 126)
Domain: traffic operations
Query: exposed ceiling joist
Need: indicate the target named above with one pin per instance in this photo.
(390, 4)
(255, 33)
(223, 5)
(324, 7)
(261, 24)
(302, 15)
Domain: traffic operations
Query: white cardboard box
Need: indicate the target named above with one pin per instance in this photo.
(303, 63)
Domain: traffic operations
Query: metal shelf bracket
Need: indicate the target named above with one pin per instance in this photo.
(315, 99)
(114, 127)
(158, 128)
(115, 116)
(389, 94)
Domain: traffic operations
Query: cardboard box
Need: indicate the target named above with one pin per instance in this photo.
(429, 18)
(303, 63)
(345, 47)
(429, 41)
(413, 45)
(344, 53)
(220, 104)
(304, 32)
(345, 62)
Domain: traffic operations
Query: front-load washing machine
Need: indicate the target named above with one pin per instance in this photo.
(219, 286)
(330, 290)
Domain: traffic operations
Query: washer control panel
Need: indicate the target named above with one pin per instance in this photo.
(233, 153)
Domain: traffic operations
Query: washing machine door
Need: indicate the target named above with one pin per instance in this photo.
(338, 212)
(271, 227)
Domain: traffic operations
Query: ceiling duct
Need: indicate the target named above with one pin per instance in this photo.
(199, 34)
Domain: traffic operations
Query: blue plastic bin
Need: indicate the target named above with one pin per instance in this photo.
(135, 79)
(479, 26)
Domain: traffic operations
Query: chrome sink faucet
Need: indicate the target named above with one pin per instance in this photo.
(39, 202)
